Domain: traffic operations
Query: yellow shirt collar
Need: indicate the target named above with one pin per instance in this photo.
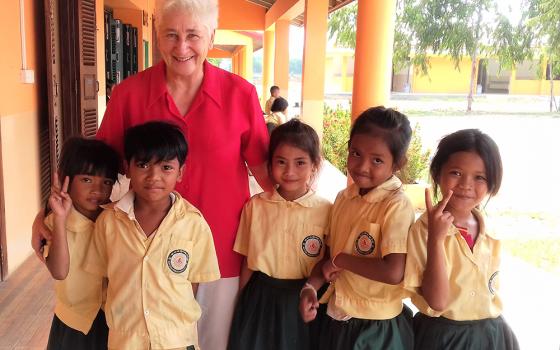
(454, 231)
(377, 194)
(308, 200)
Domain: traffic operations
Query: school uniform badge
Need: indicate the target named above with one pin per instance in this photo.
(178, 260)
(492, 283)
(365, 244)
(311, 246)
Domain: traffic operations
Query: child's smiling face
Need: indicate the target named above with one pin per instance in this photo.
(88, 192)
(465, 174)
(153, 181)
(370, 162)
(292, 169)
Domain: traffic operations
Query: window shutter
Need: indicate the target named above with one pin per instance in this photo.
(89, 86)
(51, 134)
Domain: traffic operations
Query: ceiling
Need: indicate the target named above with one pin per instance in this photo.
(298, 21)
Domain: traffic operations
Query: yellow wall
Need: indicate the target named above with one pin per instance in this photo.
(443, 77)
(19, 109)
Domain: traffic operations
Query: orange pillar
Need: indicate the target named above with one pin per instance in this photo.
(248, 60)
(313, 73)
(282, 56)
(268, 64)
(373, 55)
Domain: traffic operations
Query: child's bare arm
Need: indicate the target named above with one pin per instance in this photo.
(245, 274)
(57, 256)
(308, 302)
(389, 269)
(194, 288)
(435, 283)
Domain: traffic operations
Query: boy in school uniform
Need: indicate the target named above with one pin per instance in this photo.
(154, 247)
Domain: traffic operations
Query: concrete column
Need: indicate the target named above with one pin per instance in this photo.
(373, 55)
(282, 56)
(268, 64)
(313, 73)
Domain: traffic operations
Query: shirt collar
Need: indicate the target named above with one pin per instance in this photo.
(210, 83)
(377, 194)
(126, 203)
(308, 200)
(483, 230)
(77, 222)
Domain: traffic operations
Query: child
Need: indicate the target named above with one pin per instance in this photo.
(89, 169)
(278, 115)
(281, 235)
(274, 93)
(153, 246)
(367, 240)
(453, 260)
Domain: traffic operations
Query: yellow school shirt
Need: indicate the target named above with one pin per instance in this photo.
(79, 296)
(373, 225)
(283, 239)
(268, 105)
(150, 302)
(276, 118)
(473, 275)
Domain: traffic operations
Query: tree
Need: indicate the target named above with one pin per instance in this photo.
(456, 28)
(545, 23)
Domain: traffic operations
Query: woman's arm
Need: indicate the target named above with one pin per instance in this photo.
(245, 275)
(388, 269)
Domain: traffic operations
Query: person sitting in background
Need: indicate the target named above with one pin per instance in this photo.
(274, 93)
(278, 115)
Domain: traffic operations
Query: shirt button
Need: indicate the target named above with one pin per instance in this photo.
(145, 258)
(473, 293)
(146, 312)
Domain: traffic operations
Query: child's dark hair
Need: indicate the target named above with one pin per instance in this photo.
(81, 156)
(273, 88)
(388, 124)
(160, 140)
(298, 134)
(279, 105)
(470, 140)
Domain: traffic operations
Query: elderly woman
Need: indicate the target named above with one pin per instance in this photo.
(220, 115)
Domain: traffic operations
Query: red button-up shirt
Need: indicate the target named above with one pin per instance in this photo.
(225, 129)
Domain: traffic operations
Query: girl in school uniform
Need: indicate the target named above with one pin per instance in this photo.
(369, 225)
(89, 169)
(453, 258)
(281, 235)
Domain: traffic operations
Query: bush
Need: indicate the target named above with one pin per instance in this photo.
(336, 131)
(416, 167)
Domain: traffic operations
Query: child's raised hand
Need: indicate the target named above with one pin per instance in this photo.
(59, 200)
(439, 220)
(308, 304)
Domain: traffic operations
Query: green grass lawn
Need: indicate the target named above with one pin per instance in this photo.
(541, 253)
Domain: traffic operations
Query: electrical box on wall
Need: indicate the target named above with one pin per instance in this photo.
(27, 76)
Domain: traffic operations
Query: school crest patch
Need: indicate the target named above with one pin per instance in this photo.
(312, 245)
(365, 244)
(178, 260)
(492, 283)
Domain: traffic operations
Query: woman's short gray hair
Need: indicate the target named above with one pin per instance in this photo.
(206, 11)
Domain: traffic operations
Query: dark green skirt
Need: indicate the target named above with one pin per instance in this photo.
(62, 337)
(267, 316)
(360, 334)
(442, 333)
